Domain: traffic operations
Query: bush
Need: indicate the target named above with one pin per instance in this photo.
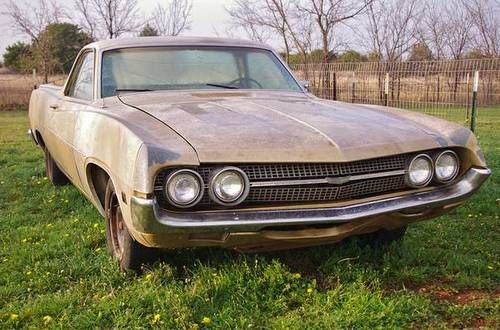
(18, 56)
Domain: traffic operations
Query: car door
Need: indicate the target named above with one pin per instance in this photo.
(78, 94)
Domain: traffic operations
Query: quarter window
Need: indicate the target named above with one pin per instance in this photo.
(81, 86)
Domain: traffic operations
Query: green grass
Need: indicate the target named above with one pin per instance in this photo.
(55, 271)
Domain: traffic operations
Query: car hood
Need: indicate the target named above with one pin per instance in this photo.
(291, 127)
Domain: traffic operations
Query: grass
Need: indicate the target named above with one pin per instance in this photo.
(55, 271)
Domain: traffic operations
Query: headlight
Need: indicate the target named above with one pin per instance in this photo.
(420, 171)
(446, 166)
(184, 188)
(229, 186)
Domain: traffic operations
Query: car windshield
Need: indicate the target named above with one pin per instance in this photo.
(176, 68)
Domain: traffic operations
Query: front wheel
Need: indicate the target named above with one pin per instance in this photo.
(129, 253)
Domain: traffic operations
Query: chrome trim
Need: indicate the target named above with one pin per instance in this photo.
(196, 200)
(147, 217)
(457, 169)
(338, 180)
(407, 176)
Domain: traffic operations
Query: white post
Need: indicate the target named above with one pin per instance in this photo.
(476, 81)
(475, 87)
(386, 89)
(387, 84)
(34, 79)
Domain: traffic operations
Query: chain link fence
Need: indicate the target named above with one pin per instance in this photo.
(439, 88)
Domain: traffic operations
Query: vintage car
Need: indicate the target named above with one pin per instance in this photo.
(183, 142)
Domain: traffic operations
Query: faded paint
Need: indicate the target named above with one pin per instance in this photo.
(186, 128)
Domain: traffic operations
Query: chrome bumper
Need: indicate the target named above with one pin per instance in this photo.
(148, 218)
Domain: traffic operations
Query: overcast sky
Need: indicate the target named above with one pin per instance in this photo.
(209, 18)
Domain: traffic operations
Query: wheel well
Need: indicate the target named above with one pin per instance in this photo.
(39, 139)
(99, 179)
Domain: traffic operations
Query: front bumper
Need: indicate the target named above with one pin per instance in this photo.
(147, 218)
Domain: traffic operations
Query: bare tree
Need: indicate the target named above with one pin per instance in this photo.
(173, 17)
(87, 20)
(458, 33)
(447, 28)
(393, 27)
(31, 17)
(280, 18)
(432, 30)
(259, 19)
(486, 21)
(110, 18)
(328, 14)
(247, 16)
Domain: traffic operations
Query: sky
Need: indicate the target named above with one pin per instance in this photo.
(209, 18)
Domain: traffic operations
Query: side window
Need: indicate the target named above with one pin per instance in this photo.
(81, 83)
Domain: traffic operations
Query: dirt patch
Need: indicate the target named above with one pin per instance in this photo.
(442, 291)
(460, 297)
(476, 323)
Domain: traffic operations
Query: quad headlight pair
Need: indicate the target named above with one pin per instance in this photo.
(227, 186)
(422, 169)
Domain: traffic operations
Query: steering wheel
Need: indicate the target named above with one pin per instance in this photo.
(238, 81)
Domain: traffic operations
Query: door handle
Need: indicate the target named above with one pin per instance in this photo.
(54, 106)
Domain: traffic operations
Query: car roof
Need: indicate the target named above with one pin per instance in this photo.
(172, 41)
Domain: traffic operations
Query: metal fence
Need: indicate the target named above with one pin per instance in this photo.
(439, 88)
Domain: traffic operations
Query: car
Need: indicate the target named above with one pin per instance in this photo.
(187, 142)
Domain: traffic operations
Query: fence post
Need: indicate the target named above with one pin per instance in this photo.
(334, 86)
(468, 96)
(34, 79)
(474, 99)
(386, 89)
(353, 90)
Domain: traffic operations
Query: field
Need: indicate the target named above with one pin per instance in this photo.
(15, 89)
(55, 271)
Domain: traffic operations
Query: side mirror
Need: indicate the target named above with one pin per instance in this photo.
(305, 84)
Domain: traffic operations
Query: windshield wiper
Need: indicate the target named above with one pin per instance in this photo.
(133, 90)
(222, 86)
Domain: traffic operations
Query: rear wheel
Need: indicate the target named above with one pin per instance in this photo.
(129, 253)
(52, 171)
(385, 236)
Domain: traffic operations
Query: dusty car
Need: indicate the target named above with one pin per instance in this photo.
(182, 142)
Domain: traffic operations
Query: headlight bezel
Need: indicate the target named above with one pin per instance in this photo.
(456, 170)
(169, 179)
(408, 170)
(215, 196)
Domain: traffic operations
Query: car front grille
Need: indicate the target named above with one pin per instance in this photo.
(260, 172)
(303, 193)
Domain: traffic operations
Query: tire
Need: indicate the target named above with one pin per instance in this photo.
(53, 172)
(384, 236)
(129, 253)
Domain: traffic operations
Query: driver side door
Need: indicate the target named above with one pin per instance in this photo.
(78, 95)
